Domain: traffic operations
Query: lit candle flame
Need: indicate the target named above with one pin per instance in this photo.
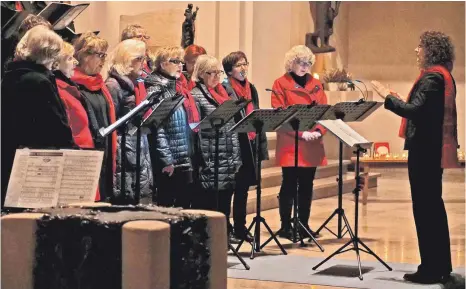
(316, 76)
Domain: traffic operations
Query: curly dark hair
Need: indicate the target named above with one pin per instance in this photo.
(438, 49)
(32, 21)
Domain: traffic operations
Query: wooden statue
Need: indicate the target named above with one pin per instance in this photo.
(324, 17)
(188, 27)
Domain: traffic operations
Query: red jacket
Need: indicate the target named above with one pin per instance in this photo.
(287, 92)
(77, 116)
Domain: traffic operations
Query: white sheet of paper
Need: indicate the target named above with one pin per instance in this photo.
(344, 132)
(46, 178)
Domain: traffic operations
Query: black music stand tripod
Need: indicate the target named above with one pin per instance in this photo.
(216, 120)
(348, 112)
(355, 240)
(259, 121)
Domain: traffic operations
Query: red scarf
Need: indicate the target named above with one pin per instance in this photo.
(449, 130)
(18, 6)
(96, 83)
(244, 92)
(218, 93)
(140, 94)
(189, 103)
(188, 84)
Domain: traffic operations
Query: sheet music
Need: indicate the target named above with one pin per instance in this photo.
(81, 172)
(46, 178)
(35, 179)
(344, 132)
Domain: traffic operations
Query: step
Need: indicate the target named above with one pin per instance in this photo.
(272, 176)
(271, 140)
(323, 188)
(271, 161)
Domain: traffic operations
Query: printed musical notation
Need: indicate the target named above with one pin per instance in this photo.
(46, 178)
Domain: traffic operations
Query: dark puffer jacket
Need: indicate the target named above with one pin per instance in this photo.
(229, 148)
(122, 90)
(174, 139)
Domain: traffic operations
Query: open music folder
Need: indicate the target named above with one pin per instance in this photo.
(46, 178)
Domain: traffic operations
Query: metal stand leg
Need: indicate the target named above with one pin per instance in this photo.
(258, 219)
(340, 212)
(354, 236)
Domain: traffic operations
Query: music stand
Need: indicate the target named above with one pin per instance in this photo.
(348, 112)
(259, 121)
(305, 119)
(216, 120)
(352, 139)
(161, 111)
(60, 15)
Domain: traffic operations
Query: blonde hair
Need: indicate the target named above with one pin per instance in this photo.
(298, 52)
(88, 42)
(131, 31)
(203, 64)
(123, 55)
(40, 45)
(66, 50)
(164, 54)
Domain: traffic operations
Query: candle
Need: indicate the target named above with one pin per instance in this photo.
(316, 76)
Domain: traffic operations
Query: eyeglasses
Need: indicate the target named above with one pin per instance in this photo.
(238, 65)
(98, 54)
(176, 61)
(146, 37)
(215, 73)
(304, 63)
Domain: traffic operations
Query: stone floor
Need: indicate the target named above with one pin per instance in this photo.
(386, 225)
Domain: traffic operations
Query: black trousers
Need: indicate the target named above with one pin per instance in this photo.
(175, 191)
(305, 183)
(240, 198)
(207, 200)
(425, 178)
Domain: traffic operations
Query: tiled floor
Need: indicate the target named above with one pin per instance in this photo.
(386, 225)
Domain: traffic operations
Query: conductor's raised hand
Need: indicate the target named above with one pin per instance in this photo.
(380, 89)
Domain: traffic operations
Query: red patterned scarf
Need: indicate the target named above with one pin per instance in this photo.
(96, 83)
(243, 92)
(449, 130)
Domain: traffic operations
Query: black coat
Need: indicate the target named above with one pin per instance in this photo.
(248, 148)
(424, 112)
(33, 114)
(122, 90)
(229, 147)
(97, 120)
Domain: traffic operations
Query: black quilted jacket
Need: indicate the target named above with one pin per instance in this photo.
(229, 148)
(122, 90)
